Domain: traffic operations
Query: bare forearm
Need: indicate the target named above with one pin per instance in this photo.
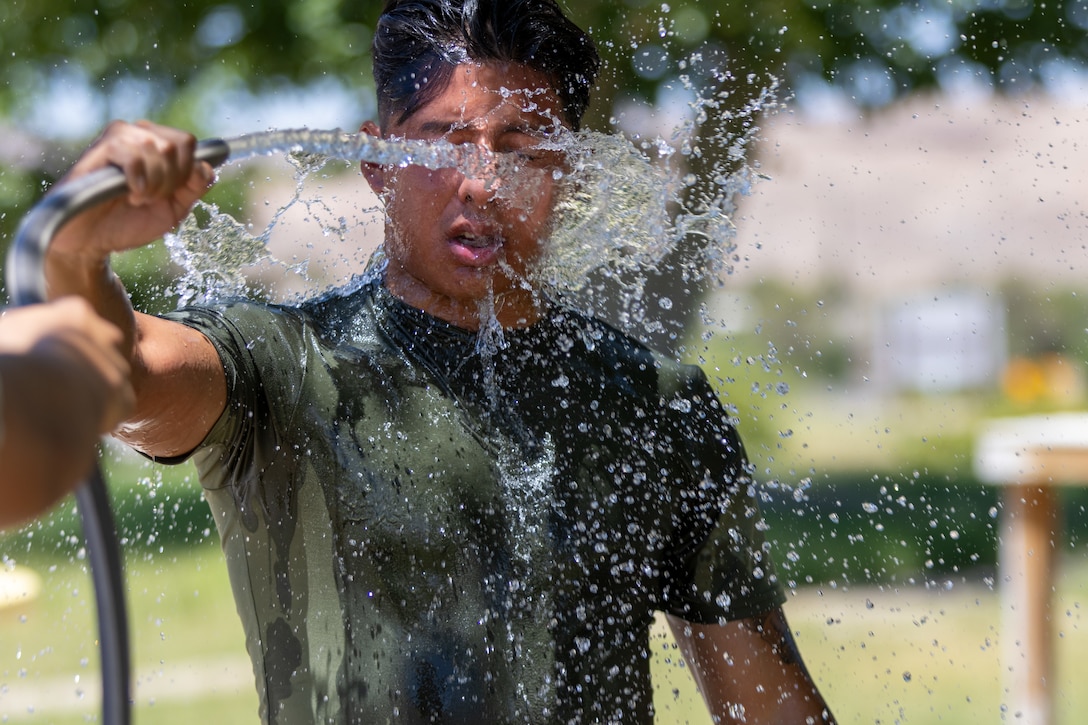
(751, 671)
(180, 388)
(176, 374)
(163, 182)
(46, 449)
(63, 382)
(91, 278)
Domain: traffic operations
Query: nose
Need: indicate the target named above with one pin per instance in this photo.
(476, 190)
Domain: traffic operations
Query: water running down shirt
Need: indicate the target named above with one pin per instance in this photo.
(421, 531)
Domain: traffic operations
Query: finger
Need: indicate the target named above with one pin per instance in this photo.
(202, 178)
(146, 162)
(22, 328)
(200, 181)
(73, 322)
(155, 160)
(176, 149)
(116, 146)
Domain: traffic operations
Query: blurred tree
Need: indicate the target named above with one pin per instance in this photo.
(125, 47)
(870, 50)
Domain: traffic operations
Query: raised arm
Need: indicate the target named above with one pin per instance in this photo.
(750, 671)
(176, 373)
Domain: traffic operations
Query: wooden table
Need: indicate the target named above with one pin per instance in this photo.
(1031, 457)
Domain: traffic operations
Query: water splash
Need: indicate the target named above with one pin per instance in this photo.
(623, 206)
(613, 210)
(335, 143)
(214, 249)
(526, 492)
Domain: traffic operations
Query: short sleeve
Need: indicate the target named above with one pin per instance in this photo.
(721, 568)
(259, 349)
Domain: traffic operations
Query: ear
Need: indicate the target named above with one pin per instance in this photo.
(374, 173)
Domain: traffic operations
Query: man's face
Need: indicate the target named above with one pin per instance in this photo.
(451, 240)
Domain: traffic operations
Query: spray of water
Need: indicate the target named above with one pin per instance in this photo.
(623, 206)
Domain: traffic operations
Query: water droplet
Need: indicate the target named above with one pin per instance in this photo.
(681, 404)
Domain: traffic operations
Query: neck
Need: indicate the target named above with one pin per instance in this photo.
(511, 309)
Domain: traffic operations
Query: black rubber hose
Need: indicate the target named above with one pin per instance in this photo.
(26, 285)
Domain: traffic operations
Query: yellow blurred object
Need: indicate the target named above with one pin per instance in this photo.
(1050, 378)
(1023, 381)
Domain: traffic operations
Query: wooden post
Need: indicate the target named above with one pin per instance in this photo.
(1028, 534)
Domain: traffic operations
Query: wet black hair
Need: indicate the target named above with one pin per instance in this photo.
(418, 43)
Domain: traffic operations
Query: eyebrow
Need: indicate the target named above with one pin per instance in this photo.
(441, 128)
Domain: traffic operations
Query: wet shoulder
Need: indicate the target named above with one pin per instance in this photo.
(243, 327)
(242, 324)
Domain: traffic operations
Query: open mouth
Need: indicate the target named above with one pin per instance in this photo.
(476, 250)
(478, 242)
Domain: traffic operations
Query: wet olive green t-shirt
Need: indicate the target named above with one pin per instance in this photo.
(426, 525)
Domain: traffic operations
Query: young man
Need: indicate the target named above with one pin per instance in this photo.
(420, 526)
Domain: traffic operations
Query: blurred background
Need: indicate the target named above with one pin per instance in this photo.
(906, 268)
